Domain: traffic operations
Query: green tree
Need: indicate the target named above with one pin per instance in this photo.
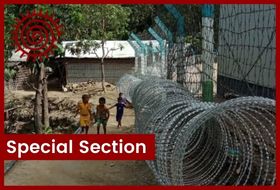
(10, 13)
(41, 106)
(141, 17)
(110, 22)
(41, 115)
(101, 22)
(81, 22)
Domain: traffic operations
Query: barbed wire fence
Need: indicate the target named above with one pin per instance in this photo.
(227, 49)
(204, 143)
(228, 52)
(247, 50)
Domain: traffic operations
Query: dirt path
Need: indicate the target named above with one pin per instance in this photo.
(84, 172)
(80, 173)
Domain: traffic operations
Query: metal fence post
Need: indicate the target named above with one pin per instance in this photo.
(181, 69)
(143, 55)
(207, 52)
(136, 48)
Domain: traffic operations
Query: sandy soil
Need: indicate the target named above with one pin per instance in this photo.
(83, 172)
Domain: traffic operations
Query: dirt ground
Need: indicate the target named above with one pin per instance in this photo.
(83, 172)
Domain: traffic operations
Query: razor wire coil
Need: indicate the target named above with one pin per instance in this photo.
(200, 143)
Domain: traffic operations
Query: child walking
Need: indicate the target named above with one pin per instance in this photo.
(120, 108)
(86, 117)
(123, 99)
(102, 115)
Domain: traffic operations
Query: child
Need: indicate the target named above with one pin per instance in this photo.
(120, 107)
(102, 115)
(84, 108)
(123, 99)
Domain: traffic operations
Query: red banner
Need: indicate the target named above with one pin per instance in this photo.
(79, 147)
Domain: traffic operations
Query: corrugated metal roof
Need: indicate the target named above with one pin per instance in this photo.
(16, 57)
(112, 46)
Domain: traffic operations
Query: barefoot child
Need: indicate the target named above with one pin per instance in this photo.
(120, 108)
(84, 108)
(102, 115)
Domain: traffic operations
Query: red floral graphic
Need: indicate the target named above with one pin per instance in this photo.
(36, 34)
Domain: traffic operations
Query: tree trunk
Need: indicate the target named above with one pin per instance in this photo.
(102, 67)
(38, 101)
(103, 56)
(45, 99)
(103, 75)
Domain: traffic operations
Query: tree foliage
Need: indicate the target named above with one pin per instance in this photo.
(87, 23)
(83, 22)
(100, 22)
(10, 13)
(141, 17)
(9, 73)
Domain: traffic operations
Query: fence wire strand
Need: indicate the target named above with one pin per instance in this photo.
(200, 143)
